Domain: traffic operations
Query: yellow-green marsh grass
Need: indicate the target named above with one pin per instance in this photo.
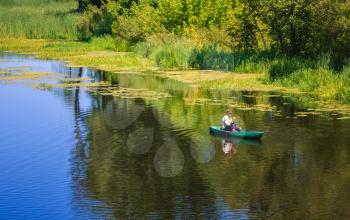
(78, 54)
(28, 76)
(238, 81)
(344, 118)
(90, 55)
(129, 93)
(79, 79)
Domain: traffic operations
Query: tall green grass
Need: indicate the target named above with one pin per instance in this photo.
(212, 56)
(49, 19)
(167, 51)
(321, 81)
(313, 75)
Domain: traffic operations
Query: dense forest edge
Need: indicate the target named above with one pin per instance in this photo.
(303, 44)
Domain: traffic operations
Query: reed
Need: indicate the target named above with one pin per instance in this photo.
(313, 75)
(167, 51)
(323, 82)
(48, 19)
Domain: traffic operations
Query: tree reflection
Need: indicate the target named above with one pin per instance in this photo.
(130, 184)
(296, 172)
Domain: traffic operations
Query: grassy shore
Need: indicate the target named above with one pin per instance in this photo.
(97, 54)
(312, 75)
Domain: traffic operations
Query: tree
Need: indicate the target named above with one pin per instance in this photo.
(290, 24)
(83, 4)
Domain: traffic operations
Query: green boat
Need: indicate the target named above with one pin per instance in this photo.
(241, 134)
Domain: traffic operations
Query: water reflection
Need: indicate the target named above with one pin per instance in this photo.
(169, 159)
(202, 149)
(138, 158)
(228, 148)
(140, 141)
(121, 113)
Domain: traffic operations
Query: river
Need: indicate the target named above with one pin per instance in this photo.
(78, 143)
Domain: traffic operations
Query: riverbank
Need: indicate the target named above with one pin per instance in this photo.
(98, 55)
(197, 56)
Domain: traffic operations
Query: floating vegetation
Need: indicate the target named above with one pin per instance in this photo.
(28, 76)
(41, 86)
(307, 113)
(15, 69)
(250, 96)
(195, 76)
(195, 101)
(271, 96)
(76, 79)
(66, 85)
(343, 118)
(244, 108)
(130, 93)
(81, 84)
(8, 61)
(215, 103)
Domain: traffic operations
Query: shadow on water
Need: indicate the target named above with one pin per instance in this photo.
(140, 157)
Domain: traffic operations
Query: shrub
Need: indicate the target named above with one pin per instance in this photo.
(138, 24)
(97, 21)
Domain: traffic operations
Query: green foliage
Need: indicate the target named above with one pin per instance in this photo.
(289, 27)
(106, 42)
(321, 81)
(138, 24)
(281, 68)
(333, 19)
(97, 21)
(212, 56)
(282, 39)
(38, 19)
(167, 50)
(84, 4)
(290, 24)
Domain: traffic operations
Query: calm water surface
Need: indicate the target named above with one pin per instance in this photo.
(78, 152)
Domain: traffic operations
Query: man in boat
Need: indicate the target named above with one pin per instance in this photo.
(228, 123)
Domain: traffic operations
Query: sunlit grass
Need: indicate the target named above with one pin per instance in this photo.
(48, 19)
(319, 81)
(322, 82)
(89, 54)
(25, 76)
(237, 81)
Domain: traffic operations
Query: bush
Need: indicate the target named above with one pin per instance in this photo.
(282, 68)
(97, 21)
(135, 26)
